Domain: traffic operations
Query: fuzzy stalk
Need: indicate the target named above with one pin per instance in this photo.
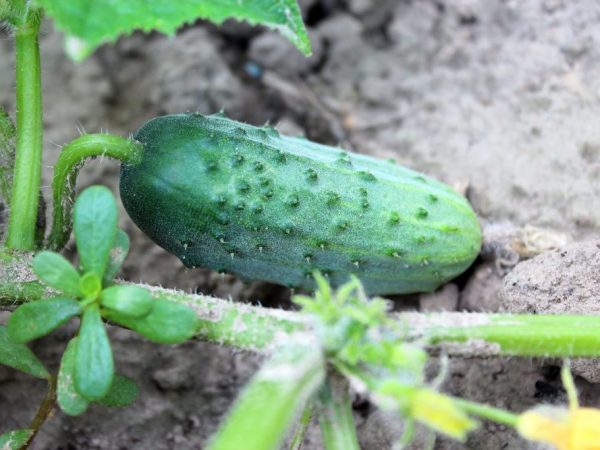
(334, 409)
(270, 402)
(255, 328)
(28, 161)
(71, 159)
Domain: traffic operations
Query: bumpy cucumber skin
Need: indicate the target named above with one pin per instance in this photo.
(237, 198)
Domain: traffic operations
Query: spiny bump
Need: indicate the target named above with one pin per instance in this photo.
(293, 201)
(394, 218)
(243, 186)
(332, 198)
(432, 198)
(237, 159)
(342, 225)
(268, 194)
(259, 166)
(367, 176)
(421, 213)
(311, 175)
(212, 166)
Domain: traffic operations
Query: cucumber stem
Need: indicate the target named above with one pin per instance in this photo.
(28, 161)
(66, 169)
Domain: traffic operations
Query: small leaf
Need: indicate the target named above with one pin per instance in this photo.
(69, 400)
(168, 323)
(95, 224)
(130, 300)
(117, 256)
(18, 356)
(54, 270)
(39, 317)
(94, 366)
(90, 285)
(14, 440)
(123, 392)
(89, 23)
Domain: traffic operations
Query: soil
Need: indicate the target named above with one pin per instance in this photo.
(500, 99)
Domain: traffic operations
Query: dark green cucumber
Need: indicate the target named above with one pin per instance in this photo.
(236, 198)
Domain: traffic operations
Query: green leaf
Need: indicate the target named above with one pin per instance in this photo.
(18, 356)
(69, 400)
(130, 300)
(54, 270)
(90, 285)
(268, 405)
(168, 323)
(95, 224)
(94, 366)
(117, 256)
(123, 392)
(39, 317)
(14, 440)
(89, 23)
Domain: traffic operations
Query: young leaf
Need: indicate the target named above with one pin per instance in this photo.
(54, 270)
(14, 440)
(168, 323)
(90, 285)
(18, 356)
(117, 256)
(132, 301)
(123, 392)
(39, 317)
(89, 23)
(95, 224)
(94, 366)
(268, 405)
(69, 400)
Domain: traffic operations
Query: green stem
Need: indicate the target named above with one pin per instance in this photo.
(28, 161)
(521, 335)
(335, 415)
(302, 427)
(67, 167)
(487, 412)
(268, 405)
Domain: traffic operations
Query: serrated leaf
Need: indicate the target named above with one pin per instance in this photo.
(89, 23)
(132, 301)
(14, 440)
(39, 317)
(117, 256)
(95, 225)
(94, 366)
(69, 400)
(168, 323)
(123, 392)
(18, 356)
(54, 270)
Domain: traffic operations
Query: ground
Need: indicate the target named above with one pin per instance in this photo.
(500, 99)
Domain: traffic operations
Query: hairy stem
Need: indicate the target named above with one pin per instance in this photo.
(67, 167)
(254, 328)
(44, 410)
(334, 410)
(302, 427)
(28, 160)
(487, 412)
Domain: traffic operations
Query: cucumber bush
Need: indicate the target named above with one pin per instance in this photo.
(238, 198)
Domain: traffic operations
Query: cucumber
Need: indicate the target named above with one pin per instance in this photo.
(242, 199)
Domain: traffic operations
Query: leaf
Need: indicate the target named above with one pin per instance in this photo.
(130, 300)
(90, 285)
(39, 317)
(14, 440)
(54, 270)
(168, 323)
(123, 392)
(94, 366)
(117, 256)
(95, 224)
(18, 356)
(69, 400)
(89, 23)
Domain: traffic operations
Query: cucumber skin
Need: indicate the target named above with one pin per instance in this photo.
(237, 198)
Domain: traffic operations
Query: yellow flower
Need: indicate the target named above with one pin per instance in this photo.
(574, 428)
